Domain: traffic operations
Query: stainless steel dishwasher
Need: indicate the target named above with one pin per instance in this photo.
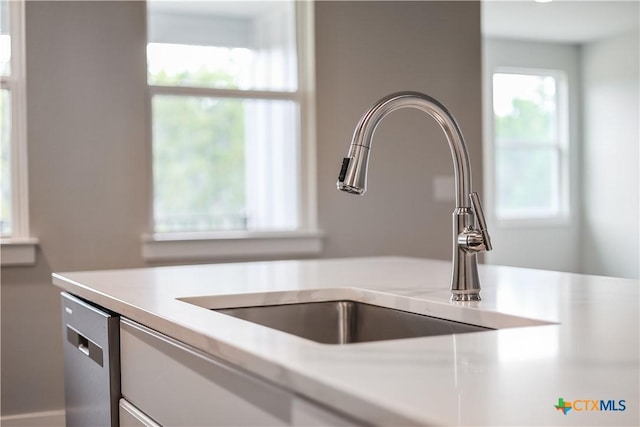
(91, 342)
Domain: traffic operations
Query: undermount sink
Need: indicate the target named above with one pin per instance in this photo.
(346, 322)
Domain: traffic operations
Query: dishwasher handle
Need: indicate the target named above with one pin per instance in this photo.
(84, 345)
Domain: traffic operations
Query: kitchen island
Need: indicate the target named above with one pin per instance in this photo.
(559, 339)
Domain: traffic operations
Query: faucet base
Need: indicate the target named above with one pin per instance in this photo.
(466, 297)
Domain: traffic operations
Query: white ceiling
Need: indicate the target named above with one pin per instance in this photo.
(567, 21)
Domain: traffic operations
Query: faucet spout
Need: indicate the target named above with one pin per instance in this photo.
(467, 240)
(354, 170)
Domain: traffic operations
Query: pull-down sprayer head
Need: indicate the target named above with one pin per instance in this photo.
(353, 174)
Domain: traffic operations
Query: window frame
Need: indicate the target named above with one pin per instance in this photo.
(242, 244)
(19, 247)
(564, 213)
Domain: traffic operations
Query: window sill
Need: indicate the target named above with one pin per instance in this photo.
(18, 252)
(229, 245)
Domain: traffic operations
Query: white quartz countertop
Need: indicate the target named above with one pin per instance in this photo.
(559, 335)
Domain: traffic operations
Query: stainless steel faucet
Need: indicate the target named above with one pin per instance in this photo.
(467, 239)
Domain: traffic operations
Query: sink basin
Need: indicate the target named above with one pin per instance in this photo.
(346, 322)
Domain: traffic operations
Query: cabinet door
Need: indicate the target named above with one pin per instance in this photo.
(177, 385)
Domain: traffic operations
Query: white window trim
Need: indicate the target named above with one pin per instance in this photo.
(230, 245)
(19, 249)
(213, 246)
(563, 218)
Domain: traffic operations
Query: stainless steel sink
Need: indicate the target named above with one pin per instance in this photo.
(346, 322)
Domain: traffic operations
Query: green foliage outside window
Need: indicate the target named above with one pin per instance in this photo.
(526, 154)
(198, 157)
(199, 78)
(525, 177)
(528, 120)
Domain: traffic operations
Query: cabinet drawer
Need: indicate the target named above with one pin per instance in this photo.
(130, 416)
(177, 385)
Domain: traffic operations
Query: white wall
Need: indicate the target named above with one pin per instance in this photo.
(86, 80)
(604, 233)
(550, 247)
(610, 156)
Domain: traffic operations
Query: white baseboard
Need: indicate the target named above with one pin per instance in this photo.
(35, 419)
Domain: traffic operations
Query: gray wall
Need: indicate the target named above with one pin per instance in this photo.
(366, 51)
(87, 143)
(611, 138)
(86, 76)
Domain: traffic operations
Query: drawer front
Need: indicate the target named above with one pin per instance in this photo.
(130, 416)
(177, 385)
(307, 414)
(91, 363)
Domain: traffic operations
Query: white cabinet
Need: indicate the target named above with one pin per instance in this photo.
(174, 384)
(130, 416)
(306, 413)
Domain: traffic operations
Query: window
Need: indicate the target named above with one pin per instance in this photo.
(231, 94)
(13, 215)
(6, 115)
(530, 132)
(17, 247)
(6, 214)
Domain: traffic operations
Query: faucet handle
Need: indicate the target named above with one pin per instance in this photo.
(482, 223)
